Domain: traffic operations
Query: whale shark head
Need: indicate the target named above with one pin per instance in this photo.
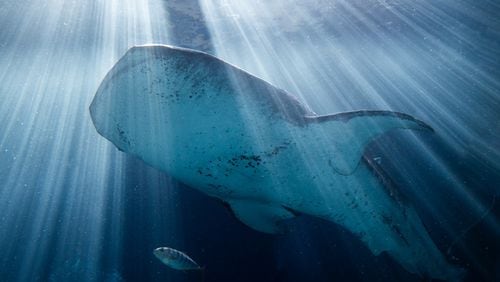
(157, 98)
(112, 110)
(144, 86)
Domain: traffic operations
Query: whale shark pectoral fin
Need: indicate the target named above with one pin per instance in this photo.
(352, 131)
(263, 217)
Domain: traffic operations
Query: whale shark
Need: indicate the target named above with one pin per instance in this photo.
(267, 155)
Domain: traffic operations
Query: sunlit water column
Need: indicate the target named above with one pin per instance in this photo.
(435, 61)
(59, 180)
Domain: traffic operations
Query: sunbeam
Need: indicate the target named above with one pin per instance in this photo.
(73, 207)
(58, 179)
(430, 59)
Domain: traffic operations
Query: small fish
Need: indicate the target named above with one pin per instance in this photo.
(176, 259)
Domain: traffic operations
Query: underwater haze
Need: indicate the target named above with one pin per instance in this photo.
(73, 207)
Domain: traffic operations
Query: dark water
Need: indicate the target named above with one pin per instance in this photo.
(73, 208)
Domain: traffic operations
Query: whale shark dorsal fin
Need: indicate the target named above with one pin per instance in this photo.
(352, 131)
(260, 216)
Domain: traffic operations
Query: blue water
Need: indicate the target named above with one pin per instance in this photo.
(73, 208)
